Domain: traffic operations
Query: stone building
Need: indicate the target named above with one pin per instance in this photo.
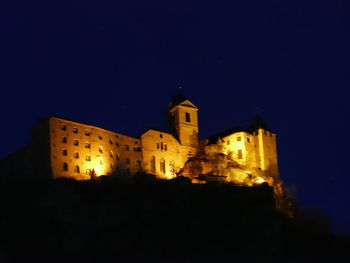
(65, 148)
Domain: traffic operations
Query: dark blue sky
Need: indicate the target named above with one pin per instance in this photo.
(116, 65)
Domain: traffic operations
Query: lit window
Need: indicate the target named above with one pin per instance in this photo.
(127, 147)
(248, 139)
(75, 130)
(138, 163)
(162, 165)
(87, 157)
(64, 139)
(127, 160)
(100, 149)
(240, 155)
(65, 166)
(87, 133)
(77, 169)
(188, 117)
(76, 155)
(63, 127)
(64, 152)
(239, 138)
(87, 145)
(100, 137)
(76, 143)
(153, 164)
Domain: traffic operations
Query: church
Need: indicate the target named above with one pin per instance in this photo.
(65, 148)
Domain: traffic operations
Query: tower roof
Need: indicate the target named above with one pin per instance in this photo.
(180, 99)
(258, 123)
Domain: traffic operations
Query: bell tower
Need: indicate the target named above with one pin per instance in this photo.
(183, 121)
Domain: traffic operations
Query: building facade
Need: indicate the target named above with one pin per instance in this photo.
(64, 148)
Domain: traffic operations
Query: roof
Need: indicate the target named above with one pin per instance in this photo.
(180, 99)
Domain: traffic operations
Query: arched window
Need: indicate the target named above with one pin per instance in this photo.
(65, 166)
(162, 165)
(77, 169)
(153, 164)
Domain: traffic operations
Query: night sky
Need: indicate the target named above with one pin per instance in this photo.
(117, 64)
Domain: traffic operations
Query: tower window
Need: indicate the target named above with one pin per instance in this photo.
(77, 169)
(64, 152)
(76, 155)
(76, 143)
(65, 166)
(87, 145)
(87, 157)
(75, 130)
(64, 139)
(63, 127)
(240, 155)
(188, 117)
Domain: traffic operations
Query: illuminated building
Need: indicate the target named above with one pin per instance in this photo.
(65, 148)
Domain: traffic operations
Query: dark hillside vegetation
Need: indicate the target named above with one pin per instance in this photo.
(150, 220)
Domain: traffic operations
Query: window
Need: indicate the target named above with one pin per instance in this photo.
(75, 130)
(127, 160)
(76, 142)
(63, 127)
(153, 164)
(240, 155)
(118, 157)
(172, 168)
(65, 167)
(100, 137)
(100, 149)
(136, 142)
(87, 145)
(88, 171)
(76, 155)
(161, 135)
(137, 149)
(64, 152)
(138, 163)
(87, 133)
(64, 139)
(111, 166)
(87, 157)
(117, 144)
(111, 154)
(161, 145)
(162, 165)
(165, 147)
(127, 147)
(188, 117)
(248, 139)
(228, 142)
(157, 145)
(110, 141)
(239, 138)
(116, 136)
(77, 169)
